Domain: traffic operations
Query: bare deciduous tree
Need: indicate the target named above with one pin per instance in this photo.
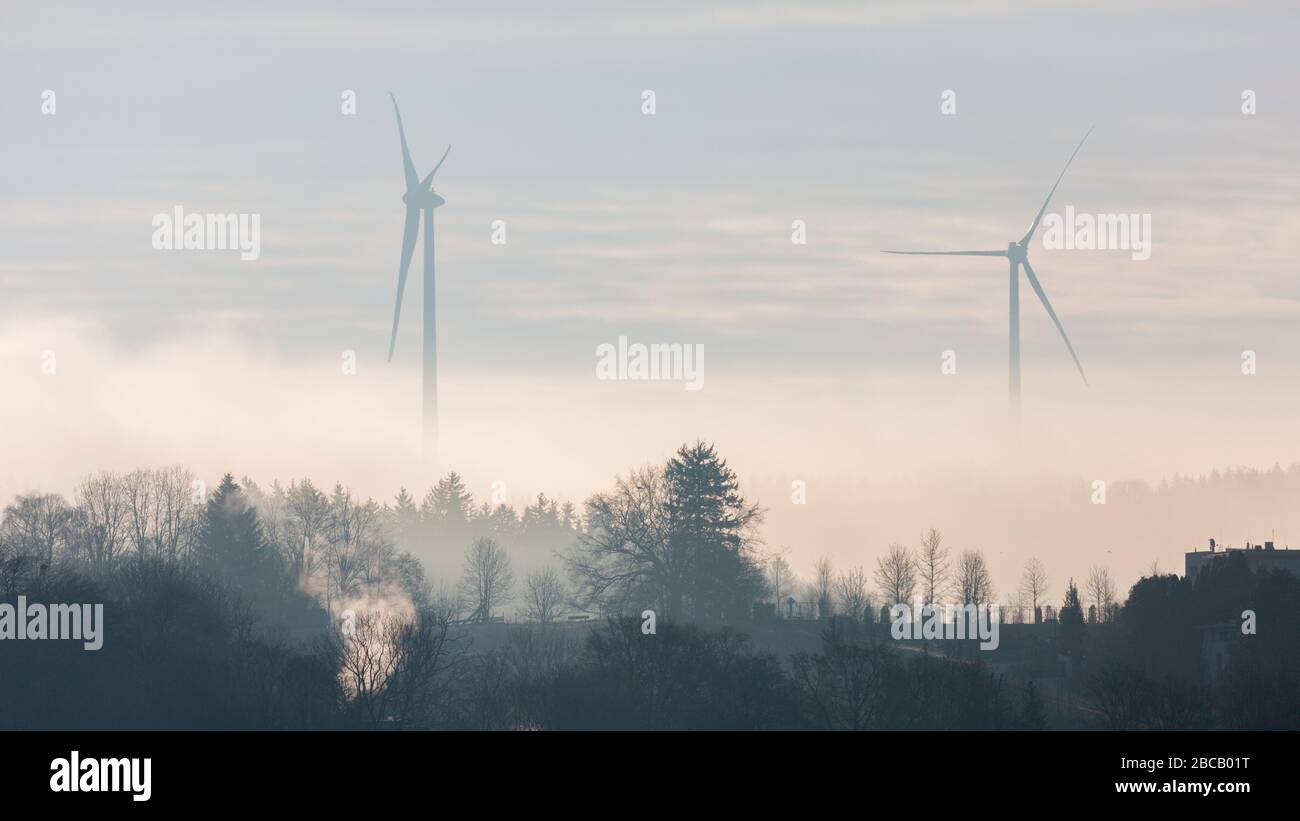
(177, 513)
(357, 544)
(37, 525)
(487, 582)
(824, 587)
(544, 595)
(104, 509)
(781, 579)
(627, 558)
(1013, 609)
(446, 602)
(896, 575)
(851, 590)
(161, 517)
(1033, 587)
(843, 684)
(396, 669)
(304, 529)
(932, 566)
(974, 583)
(138, 496)
(1101, 592)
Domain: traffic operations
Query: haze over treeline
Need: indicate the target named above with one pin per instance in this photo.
(876, 469)
(883, 455)
(1061, 524)
(1056, 520)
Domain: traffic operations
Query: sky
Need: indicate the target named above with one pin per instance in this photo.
(823, 360)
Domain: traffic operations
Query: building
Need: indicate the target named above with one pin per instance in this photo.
(1258, 557)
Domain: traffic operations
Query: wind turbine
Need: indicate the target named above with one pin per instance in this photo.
(420, 197)
(1018, 254)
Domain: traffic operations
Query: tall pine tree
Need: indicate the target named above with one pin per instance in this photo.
(1071, 619)
(233, 550)
(714, 525)
(446, 512)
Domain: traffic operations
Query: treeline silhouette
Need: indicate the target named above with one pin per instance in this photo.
(1157, 666)
(292, 608)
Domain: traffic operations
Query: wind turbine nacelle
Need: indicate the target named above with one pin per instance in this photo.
(423, 199)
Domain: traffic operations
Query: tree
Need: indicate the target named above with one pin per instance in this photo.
(447, 512)
(686, 677)
(38, 525)
(1033, 586)
(1101, 592)
(137, 494)
(851, 590)
(1130, 700)
(932, 566)
(569, 518)
(308, 517)
(544, 595)
(394, 669)
(500, 523)
(1013, 608)
(445, 600)
(710, 521)
(232, 548)
(846, 686)
(408, 573)
(160, 514)
(896, 575)
(824, 587)
(451, 503)
(546, 528)
(1160, 632)
(488, 581)
(541, 516)
(781, 579)
(101, 501)
(1071, 620)
(680, 539)
(357, 546)
(626, 560)
(406, 520)
(974, 583)
(1033, 712)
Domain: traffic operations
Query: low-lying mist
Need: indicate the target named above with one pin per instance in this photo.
(845, 462)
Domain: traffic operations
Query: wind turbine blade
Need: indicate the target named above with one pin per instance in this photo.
(408, 248)
(1034, 225)
(950, 253)
(429, 179)
(412, 179)
(1042, 297)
